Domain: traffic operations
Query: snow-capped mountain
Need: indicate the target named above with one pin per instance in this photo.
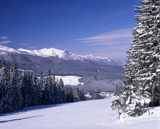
(96, 72)
(53, 52)
(4, 50)
(45, 52)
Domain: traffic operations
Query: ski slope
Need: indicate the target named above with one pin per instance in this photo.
(95, 114)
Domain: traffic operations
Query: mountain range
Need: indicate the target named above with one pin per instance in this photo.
(53, 52)
(96, 72)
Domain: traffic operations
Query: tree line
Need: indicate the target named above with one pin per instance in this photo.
(23, 89)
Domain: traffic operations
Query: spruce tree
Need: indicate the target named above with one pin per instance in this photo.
(37, 89)
(5, 90)
(48, 94)
(11, 98)
(29, 90)
(60, 91)
(141, 77)
(16, 89)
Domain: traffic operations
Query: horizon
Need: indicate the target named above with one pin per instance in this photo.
(100, 28)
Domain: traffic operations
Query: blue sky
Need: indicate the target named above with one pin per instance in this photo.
(98, 27)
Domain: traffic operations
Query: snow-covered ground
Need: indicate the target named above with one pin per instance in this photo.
(95, 114)
(70, 80)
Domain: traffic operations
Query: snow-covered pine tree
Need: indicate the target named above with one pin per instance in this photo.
(48, 94)
(11, 98)
(126, 101)
(29, 90)
(141, 76)
(60, 91)
(26, 90)
(54, 89)
(2, 79)
(41, 81)
(69, 94)
(4, 89)
(81, 95)
(16, 88)
(37, 89)
(154, 46)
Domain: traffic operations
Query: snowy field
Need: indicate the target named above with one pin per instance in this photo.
(95, 114)
(70, 80)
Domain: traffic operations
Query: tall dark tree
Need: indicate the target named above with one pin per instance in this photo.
(48, 94)
(11, 98)
(29, 90)
(60, 91)
(69, 94)
(16, 89)
(141, 72)
(5, 91)
(37, 90)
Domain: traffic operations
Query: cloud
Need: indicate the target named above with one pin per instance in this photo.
(4, 40)
(112, 37)
(113, 44)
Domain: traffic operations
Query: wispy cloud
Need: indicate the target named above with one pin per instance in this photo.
(116, 36)
(4, 40)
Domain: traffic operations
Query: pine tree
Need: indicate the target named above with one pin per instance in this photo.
(37, 89)
(4, 89)
(16, 89)
(11, 98)
(81, 95)
(29, 90)
(2, 79)
(41, 81)
(69, 94)
(60, 91)
(141, 76)
(48, 94)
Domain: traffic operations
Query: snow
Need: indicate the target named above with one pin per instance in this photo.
(91, 57)
(88, 95)
(4, 49)
(105, 94)
(94, 114)
(148, 78)
(158, 70)
(53, 52)
(45, 52)
(70, 80)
